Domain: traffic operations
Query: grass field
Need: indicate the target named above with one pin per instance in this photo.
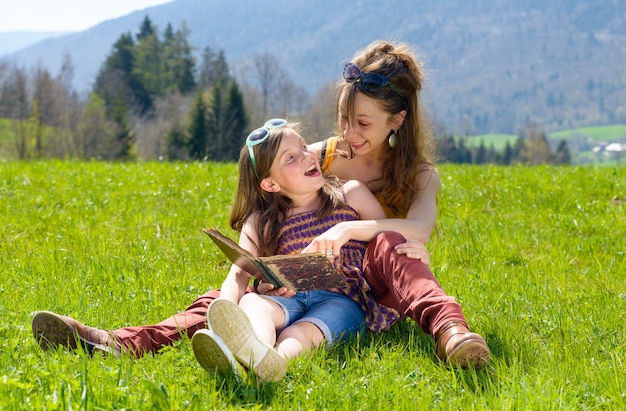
(535, 255)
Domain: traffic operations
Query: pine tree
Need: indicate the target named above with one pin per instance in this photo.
(562, 153)
(124, 137)
(216, 124)
(508, 154)
(237, 124)
(148, 64)
(198, 128)
(178, 61)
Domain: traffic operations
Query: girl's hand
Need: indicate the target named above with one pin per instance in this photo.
(268, 289)
(414, 249)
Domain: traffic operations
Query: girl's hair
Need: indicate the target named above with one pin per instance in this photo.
(272, 208)
(415, 150)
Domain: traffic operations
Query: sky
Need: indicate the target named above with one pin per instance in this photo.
(65, 15)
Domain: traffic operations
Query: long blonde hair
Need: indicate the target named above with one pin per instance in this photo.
(272, 208)
(415, 150)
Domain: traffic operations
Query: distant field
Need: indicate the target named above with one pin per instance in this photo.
(600, 133)
(535, 256)
(497, 140)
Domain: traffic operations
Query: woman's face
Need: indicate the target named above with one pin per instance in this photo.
(371, 126)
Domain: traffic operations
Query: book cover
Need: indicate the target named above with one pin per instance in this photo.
(298, 272)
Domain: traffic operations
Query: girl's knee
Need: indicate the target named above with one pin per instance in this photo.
(308, 334)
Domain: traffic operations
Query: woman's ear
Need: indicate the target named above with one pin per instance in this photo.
(269, 185)
(398, 119)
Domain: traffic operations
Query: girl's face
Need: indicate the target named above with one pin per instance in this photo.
(371, 126)
(295, 169)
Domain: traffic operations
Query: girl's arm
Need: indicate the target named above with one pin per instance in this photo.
(236, 282)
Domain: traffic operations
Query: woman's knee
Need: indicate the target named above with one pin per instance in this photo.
(388, 239)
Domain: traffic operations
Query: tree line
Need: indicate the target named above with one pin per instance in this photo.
(154, 97)
(530, 147)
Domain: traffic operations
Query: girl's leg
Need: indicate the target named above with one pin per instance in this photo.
(329, 316)
(298, 339)
(265, 315)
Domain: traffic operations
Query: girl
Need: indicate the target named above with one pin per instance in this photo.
(282, 203)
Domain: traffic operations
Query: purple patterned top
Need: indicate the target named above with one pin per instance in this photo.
(299, 230)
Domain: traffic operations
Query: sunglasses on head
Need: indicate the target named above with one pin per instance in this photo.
(371, 81)
(260, 135)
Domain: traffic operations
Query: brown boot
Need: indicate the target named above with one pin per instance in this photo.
(52, 330)
(459, 347)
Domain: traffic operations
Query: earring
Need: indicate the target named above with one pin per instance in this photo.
(393, 140)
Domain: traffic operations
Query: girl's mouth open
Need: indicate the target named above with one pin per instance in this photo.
(311, 171)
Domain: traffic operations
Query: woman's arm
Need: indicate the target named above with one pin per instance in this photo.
(417, 227)
(359, 197)
(422, 215)
(317, 149)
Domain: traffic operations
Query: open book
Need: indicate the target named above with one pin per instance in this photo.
(298, 272)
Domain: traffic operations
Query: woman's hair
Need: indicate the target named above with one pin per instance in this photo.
(272, 208)
(415, 150)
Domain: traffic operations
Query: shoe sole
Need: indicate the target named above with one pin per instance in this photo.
(233, 326)
(213, 355)
(472, 351)
(51, 331)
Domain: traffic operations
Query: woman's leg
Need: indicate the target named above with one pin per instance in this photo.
(151, 338)
(52, 330)
(409, 286)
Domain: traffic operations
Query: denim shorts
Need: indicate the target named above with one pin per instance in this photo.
(335, 314)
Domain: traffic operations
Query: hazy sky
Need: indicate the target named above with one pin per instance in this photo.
(64, 15)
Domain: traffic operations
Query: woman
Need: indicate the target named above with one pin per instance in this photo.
(385, 142)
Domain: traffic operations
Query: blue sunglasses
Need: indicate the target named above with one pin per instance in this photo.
(260, 135)
(371, 81)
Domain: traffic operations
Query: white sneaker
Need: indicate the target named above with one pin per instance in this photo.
(213, 355)
(232, 325)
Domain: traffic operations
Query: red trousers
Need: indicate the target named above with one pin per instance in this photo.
(145, 339)
(397, 281)
(407, 285)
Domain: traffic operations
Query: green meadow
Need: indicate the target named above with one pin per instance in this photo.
(535, 255)
(597, 133)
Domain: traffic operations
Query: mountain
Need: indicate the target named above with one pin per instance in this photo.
(492, 65)
(11, 41)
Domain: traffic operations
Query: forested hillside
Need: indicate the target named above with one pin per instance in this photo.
(493, 66)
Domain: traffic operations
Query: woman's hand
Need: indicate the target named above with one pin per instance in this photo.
(414, 249)
(332, 239)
